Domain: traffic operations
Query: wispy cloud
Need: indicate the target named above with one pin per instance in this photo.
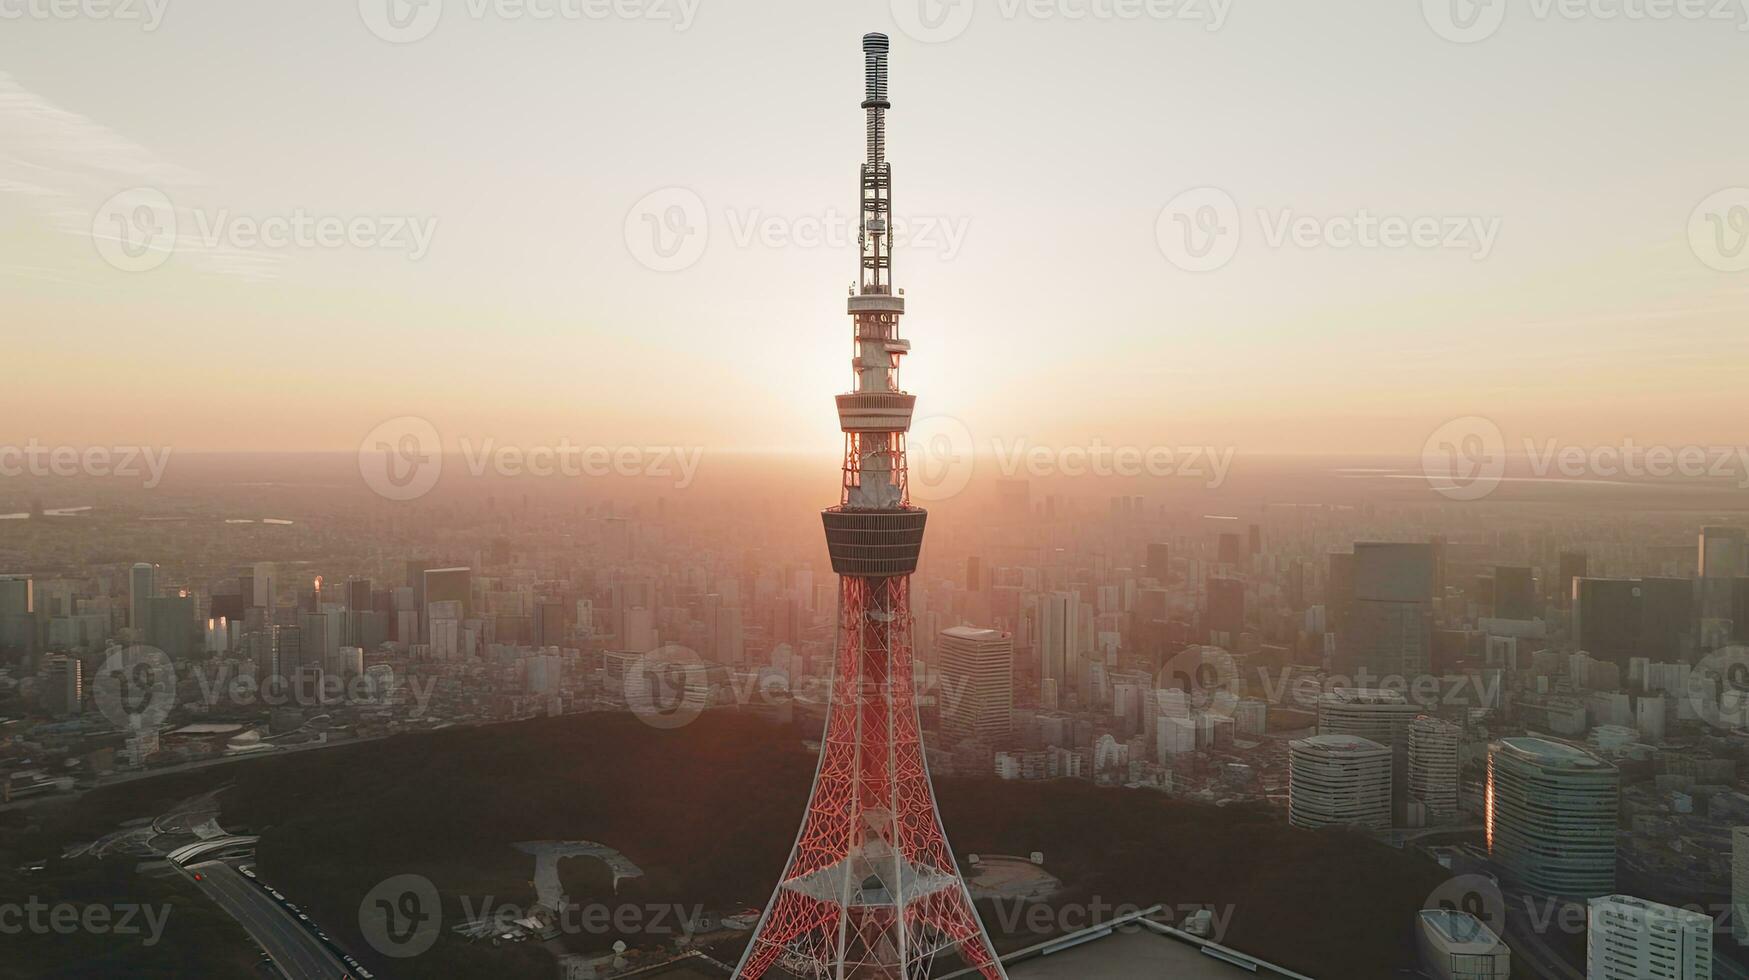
(65, 166)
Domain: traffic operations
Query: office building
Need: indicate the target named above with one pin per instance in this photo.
(1630, 938)
(1740, 885)
(63, 691)
(1515, 593)
(1336, 780)
(977, 682)
(1433, 768)
(1552, 814)
(142, 585)
(1382, 716)
(1058, 633)
(1389, 629)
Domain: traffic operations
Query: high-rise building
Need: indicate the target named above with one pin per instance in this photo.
(1338, 780)
(1551, 815)
(1382, 716)
(1058, 632)
(1571, 565)
(447, 585)
(170, 624)
(1724, 552)
(1433, 767)
(20, 622)
(977, 682)
(1389, 632)
(1159, 560)
(1226, 619)
(1607, 618)
(142, 585)
(63, 686)
(1515, 593)
(1629, 938)
(871, 888)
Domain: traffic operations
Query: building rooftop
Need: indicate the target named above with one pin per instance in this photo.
(1460, 932)
(1340, 743)
(1550, 752)
(975, 633)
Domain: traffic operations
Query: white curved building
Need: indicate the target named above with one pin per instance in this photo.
(1336, 780)
(1552, 812)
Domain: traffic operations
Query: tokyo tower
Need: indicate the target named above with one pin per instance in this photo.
(871, 889)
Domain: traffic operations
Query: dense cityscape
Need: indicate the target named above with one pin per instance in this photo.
(1349, 586)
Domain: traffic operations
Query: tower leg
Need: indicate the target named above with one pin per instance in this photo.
(871, 888)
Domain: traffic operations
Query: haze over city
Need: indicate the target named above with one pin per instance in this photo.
(932, 488)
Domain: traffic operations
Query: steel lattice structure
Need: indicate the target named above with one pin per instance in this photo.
(871, 888)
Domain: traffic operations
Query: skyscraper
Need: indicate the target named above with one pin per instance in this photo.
(142, 585)
(1433, 767)
(1515, 593)
(1629, 938)
(1390, 622)
(1056, 640)
(871, 888)
(977, 682)
(1552, 811)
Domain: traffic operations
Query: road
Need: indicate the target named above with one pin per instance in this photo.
(295, 950)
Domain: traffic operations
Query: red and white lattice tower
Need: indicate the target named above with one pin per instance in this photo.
(871, 889)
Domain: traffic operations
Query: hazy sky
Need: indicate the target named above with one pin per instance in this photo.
(1034, 152)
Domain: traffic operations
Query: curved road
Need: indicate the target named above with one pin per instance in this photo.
(295, 950)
